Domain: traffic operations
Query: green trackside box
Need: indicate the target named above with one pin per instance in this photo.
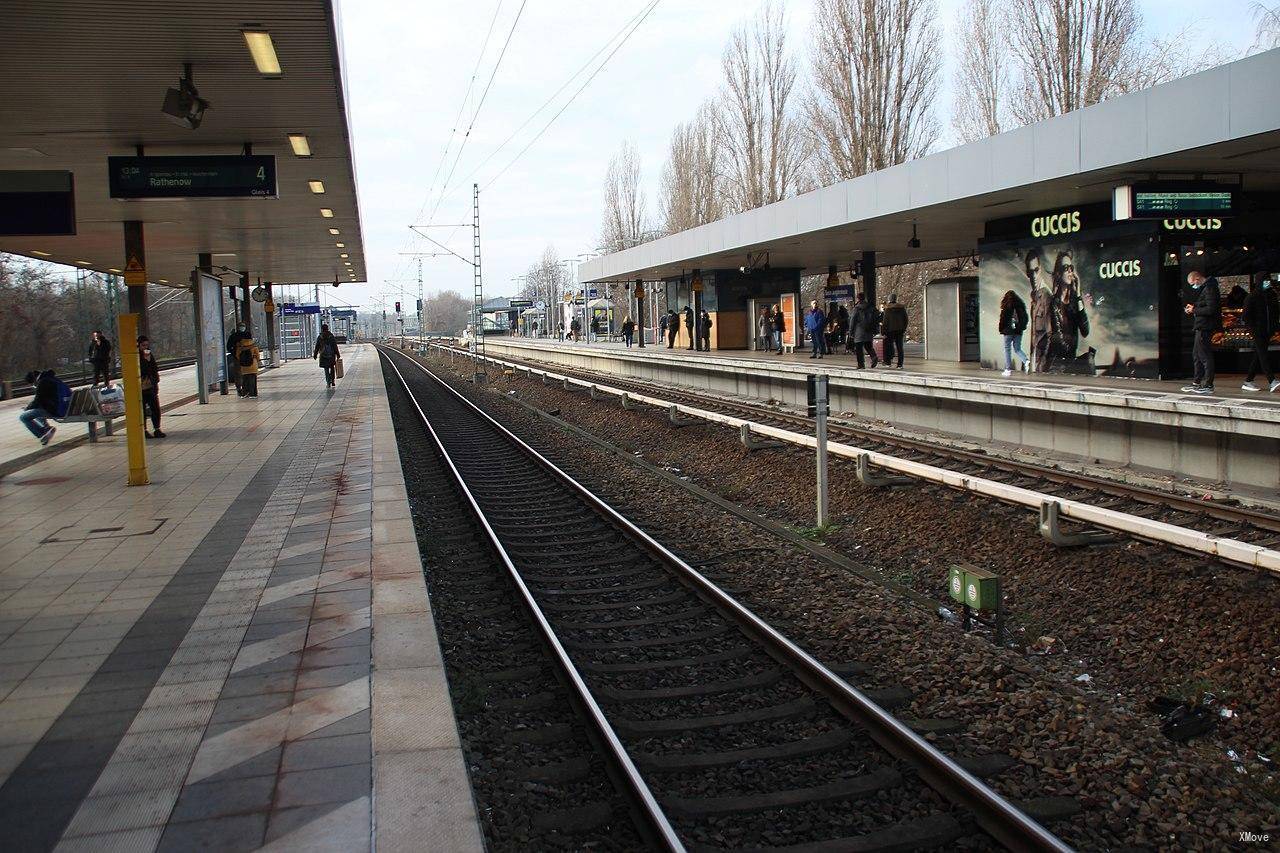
(955, 583)
(981, 589)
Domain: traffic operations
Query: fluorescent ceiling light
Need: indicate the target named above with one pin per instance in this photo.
(334, 231)
(263, 51)
(40, 253)
(84, 263)
(301, 147)
(163, 280)
(223, 254)
(344, 255)
(114, 270)
(340, 245)
(326, 213)
(317, 187)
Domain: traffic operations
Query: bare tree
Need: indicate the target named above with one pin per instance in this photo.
(982, 80)
(692, 185)
(764, 148)
(624, 223)
(1267, 16)
(875, 68)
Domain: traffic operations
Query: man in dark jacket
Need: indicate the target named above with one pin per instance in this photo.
(894, 325)
(690, 321)
(864, 323)
(1260, 317)
(1206, 316)
(150, 375)
(673, 328)
(100, 357)
(815, 323)
(35, 417)
(233, 368)
(704, 331)
(326, 351)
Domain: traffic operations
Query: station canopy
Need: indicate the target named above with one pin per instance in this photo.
(1221, 124)
(82, 81)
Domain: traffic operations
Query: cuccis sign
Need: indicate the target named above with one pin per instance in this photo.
(1192, 224)
(1067, 222)
(1120, 269)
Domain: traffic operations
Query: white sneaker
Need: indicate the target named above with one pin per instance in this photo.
(1006, 373)
(1249, 386)
(44, 439)
(1275, 386)
(1190, 389)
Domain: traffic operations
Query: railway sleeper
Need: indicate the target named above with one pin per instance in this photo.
(678, 595)
(670, 663)
(815, 745)
(569, 770)
(938, 830)
(575, 820)
(698, 612)
(846, 789)
(594, 590)
(683, 640)
(642, 565)
(650, 728)
(758, 680)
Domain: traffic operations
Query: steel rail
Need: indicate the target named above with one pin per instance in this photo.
(639, 789)
(996, 815)
(1227, 549)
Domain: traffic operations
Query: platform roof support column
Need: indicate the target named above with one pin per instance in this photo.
(135, 273)
(271, 327)
(246, 307)
(869, 276)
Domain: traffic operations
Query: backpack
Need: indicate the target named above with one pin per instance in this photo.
(63, 398)
(246, 356)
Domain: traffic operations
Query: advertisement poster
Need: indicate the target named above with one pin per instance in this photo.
(1091, 306)
(212, 365)
(789, 301)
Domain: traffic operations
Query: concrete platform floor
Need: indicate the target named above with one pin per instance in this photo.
(240, 655)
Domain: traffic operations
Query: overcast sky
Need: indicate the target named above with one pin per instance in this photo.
(408, 66)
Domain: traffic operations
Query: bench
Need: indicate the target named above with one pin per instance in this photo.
(85, 409)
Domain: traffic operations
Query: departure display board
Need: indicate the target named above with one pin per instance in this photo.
(1169, 200)
(37, 203)
(193, 176)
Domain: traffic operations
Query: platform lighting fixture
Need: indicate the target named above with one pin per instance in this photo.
(326, 213)
(40, 253)
(334, 231)
(114, 270)
(84, 263)
(263, 51)
(343, 255)
(340, 245)
(914, 242)
(163, 280)
(301, 147)
(317, 187)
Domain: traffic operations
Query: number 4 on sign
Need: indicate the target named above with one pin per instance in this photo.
(262, 173)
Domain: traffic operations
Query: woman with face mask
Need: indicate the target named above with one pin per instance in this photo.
(150, 384)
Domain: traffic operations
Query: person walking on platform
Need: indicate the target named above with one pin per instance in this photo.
(704, 333)
(575, 327)
(1260, 317)
(100, 358)
(673, 328)
(690, 321)
(43, 406)
(1013, 322)
(326, 350)
(662, 326)
(233, 369)
(628, 329)
(779, 328)
(815, 323)
(595, 330)
(150, 386)
(863, 325)
(764, 329)
(1206, 316)
(894, 324)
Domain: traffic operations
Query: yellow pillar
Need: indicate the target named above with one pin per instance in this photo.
(131, 373)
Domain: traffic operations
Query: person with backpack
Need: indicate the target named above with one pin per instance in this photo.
(326, 350)
(864, 322)
(1260, 318)
(43, 406)
(233, 367)
(150, 371)
(100, 358)
(1013, 322)
(249, 359)
(894, 323)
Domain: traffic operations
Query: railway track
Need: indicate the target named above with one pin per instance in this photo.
(1214, 518)
(722, 732)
